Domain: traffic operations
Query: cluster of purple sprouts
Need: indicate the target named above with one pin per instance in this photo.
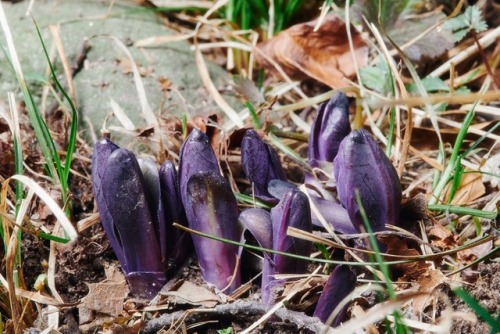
(138, 204)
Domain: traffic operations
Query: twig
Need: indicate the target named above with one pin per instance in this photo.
(239, 308)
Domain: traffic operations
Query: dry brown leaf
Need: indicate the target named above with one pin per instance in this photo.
(427, 282)
(305, 292)
(471, 188)
(469, 255)
(358, 312)
(124, 328)
(398, 246)
(105, 300)
(126, 67)
(107, 296)
(323, 55)
(426, 139)
(191, 294)
(441, 237)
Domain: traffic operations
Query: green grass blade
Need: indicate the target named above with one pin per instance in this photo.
(245, 199)
(74, 116)
(287, 150)
(457, 178)
(253, 114)
(445, 177)
(53, 238)
(463, 211)
(384, 268)
(478, 309)
(374, 244)
(39, 126)
(19, 169)
(390, 135)
(459, 169)
(272, 251)
(480, 140)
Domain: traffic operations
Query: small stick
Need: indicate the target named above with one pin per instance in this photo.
(240, 308)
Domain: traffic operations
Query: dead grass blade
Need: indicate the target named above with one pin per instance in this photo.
(485, 41)
(377, 313)
(49, 201)
(64, 60)
(148, 114)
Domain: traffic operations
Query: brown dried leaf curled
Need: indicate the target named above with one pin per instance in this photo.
(323, 54)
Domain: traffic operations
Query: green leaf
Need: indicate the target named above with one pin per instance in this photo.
(459, 210)
(376, 78)
(460, 25)
(228, 330)
(36, 78)
(385, 12)
(431, 84)
(478, 309)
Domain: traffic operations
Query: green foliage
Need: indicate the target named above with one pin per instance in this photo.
(247, 14)
(228, 330)
(63, 170)
(460, 25)
(55, 168)
(253, 113)
(326, 254)
(377, 78)
(431, 84)
(255, 14)
(463, 211)
(384, 13)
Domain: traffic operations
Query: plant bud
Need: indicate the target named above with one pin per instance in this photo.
(362, 166)
(260, 163)
(196, 155)
(211, 208)
(329, 128)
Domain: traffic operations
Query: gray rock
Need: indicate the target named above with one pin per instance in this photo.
(107, 71)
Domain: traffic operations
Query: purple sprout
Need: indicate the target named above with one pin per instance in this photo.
(260, 163)
(127, 217)
(211, 208)
(329, 128)
(361, 166)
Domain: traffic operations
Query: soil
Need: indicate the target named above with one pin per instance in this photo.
(486, 289)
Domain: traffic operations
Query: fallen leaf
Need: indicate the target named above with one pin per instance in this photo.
(427, 282)
(471, 187)
(165, 84)
(433, 44)
(126, 328)
(400, 21)
(105, 299)
(492, 169)
(306, 293)
(323, 54)
(441, 237)
(358, 312)
(469, 255)
(398, 246)
(126, 67)
(426, 139)
(190, 294)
